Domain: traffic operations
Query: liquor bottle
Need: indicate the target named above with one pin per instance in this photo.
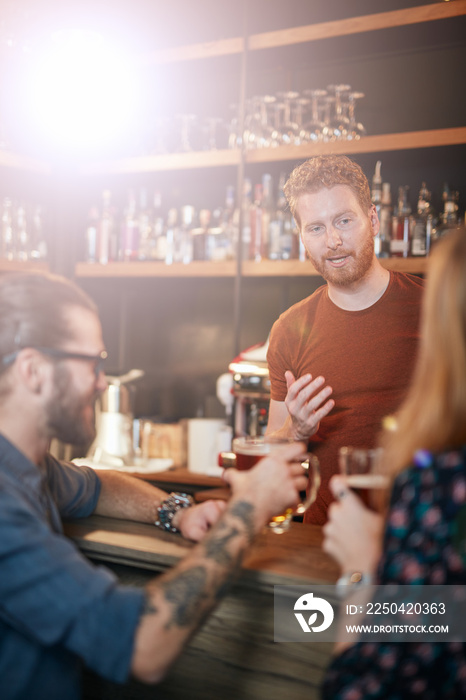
(146, 242)
(158, 245)
(171, 233)
(38, 250)
(246, 206)
(183, 239)
(449, 218)
(423, 224)
(402, 225)
(230, 228)
(376, 190)
(199, 236)
(376, 196)
(220, 235)
(8, 244)
(92, 231)
(130, 231)
(385, 219)
(256, 225)
(106, 233)
(267, 213)
(281, 233)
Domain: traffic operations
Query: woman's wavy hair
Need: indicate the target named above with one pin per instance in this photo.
(433, 415)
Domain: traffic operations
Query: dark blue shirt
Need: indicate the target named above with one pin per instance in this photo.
(57, 610)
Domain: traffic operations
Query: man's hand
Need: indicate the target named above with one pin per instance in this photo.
(353, 533)
(195, 522)
(306, 402)
(273, 484)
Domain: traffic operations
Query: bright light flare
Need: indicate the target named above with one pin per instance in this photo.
(84, 91)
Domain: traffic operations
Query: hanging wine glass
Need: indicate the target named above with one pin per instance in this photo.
(297, 117)
(252, 136)
(314, 128)
(290, 130)
(329, 132)
(161, 136)
(269, 136)
(185, 142)
(355, 128)
(338, 121)
(210, 133)
(277, 131)
(235, 138)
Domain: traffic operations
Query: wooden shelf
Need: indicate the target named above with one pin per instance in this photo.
(210, 159)
(367, 144)
(357, 25)
(265, 268)
(191, 52)
(307, 33)
(156, 269)
(19, 266)
(166, 161)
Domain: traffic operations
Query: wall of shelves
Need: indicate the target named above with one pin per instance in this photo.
(212, 293)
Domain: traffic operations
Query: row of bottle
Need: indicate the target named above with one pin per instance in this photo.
(183, 235)
(22, 232)
(404, 233)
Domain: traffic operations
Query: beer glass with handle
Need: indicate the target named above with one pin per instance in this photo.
(247, 451)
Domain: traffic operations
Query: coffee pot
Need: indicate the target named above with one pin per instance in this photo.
(113, 444)
(251, 390)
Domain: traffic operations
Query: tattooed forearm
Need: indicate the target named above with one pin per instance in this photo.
(244, 511)
(149, 607)
(216, 547)
(187, 592)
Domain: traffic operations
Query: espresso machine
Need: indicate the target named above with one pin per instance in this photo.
(251, 390)
(113, 444)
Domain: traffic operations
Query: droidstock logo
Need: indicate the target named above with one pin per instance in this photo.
(310, 604)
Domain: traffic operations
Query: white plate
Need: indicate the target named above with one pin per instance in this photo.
(150, 467)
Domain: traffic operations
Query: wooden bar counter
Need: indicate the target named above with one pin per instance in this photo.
(233, 656)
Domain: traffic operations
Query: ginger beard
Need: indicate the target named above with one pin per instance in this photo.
(354, 270)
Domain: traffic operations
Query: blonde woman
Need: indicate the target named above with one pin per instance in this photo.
(423, 537)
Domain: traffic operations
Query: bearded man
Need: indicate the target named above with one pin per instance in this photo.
(57, 611)
(341, 359)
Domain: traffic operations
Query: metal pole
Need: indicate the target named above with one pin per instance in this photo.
(237, 294)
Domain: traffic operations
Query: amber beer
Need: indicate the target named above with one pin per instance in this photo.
(249, 452)
(361, 467)
(369, 488)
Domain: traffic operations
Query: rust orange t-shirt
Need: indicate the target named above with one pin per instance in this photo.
(366, 356)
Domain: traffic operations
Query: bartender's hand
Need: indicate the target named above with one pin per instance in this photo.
(272, 485)
(196, 521)
(307, 402)
(353, 533)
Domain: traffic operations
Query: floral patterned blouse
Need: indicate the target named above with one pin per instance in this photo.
(425, 543)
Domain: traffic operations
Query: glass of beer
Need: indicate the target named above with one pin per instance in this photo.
(362, 468)
(248, 451)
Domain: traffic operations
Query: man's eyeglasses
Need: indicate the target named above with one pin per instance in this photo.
(98, 360)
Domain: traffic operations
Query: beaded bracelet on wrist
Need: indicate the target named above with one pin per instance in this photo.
(167, 510)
